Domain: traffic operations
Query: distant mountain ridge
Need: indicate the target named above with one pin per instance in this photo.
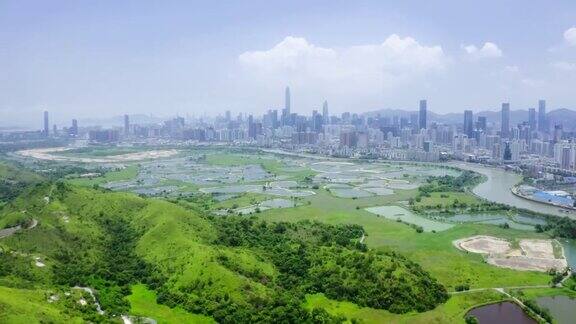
(119, 120)
(565, 117)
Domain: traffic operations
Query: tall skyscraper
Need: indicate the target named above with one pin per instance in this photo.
(532, 119)
(505, 121)
(287, 100)
(422, 114)
(482, 123)
(46, 130)
(126, 124)
(542, 122)
(566, 158)
(274, 117)
(325, 115)
(468, 128)
(74, 129)
(286, 110)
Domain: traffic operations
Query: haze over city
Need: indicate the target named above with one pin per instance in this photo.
(203, 58)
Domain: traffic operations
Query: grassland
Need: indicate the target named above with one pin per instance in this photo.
(452, 311)
(268, 162)
(446, 199)
(143, 304)
(533, 293)
(30, 306)
(433, 251)
(128, 173)
(16, 173)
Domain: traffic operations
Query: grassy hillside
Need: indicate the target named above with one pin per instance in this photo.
(146, 257)
(128, 173)
(13, 180)
(31, 306)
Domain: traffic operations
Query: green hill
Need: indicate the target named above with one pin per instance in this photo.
(153, 258)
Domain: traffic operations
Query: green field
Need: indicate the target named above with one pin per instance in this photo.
(143, 303)
(268, 162)
(446, 199)
(128, 173)
(433, 251)
(31, 306)
(452, 311)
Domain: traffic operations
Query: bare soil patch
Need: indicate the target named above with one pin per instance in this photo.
(533, 255)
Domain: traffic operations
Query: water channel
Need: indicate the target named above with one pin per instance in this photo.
(497, 188)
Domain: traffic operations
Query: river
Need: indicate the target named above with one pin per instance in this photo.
(497, 188)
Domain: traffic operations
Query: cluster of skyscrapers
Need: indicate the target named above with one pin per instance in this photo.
(401, 136)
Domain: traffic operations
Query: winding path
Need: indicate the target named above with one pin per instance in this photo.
(6, 232)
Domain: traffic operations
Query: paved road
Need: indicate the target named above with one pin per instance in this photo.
(497, 288)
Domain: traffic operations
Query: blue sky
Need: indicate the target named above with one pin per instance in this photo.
(85, 58)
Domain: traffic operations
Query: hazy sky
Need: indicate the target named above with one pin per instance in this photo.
(101, 58)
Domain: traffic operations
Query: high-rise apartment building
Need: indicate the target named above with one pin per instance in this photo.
(325, 115)
(532, 119)
(126, 124)
(422, 118)
(505, 121)
(286, 110)
(46, 130)
(468, 127)
(542, 122)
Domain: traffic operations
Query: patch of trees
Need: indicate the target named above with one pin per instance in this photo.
(417, 228)
(10, 189)
(310, 257)
(111, 270)
(543, 312)
(466, 179)
(19, 267)
(462, 287)
(315, 257)
(559, 227)
(382, 280)
(471, 319)
(532, 307)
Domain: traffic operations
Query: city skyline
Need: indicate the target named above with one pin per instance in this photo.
(539, 122)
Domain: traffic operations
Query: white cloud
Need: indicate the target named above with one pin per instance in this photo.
(488, 50)
(564, 66)
(533, 83)
(390, 63)
(512, 68)
(570, 36)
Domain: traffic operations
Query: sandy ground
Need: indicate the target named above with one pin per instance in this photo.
(483, 244)
(533, 255)
(537, 248)
(46, 154)
(527, 263)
